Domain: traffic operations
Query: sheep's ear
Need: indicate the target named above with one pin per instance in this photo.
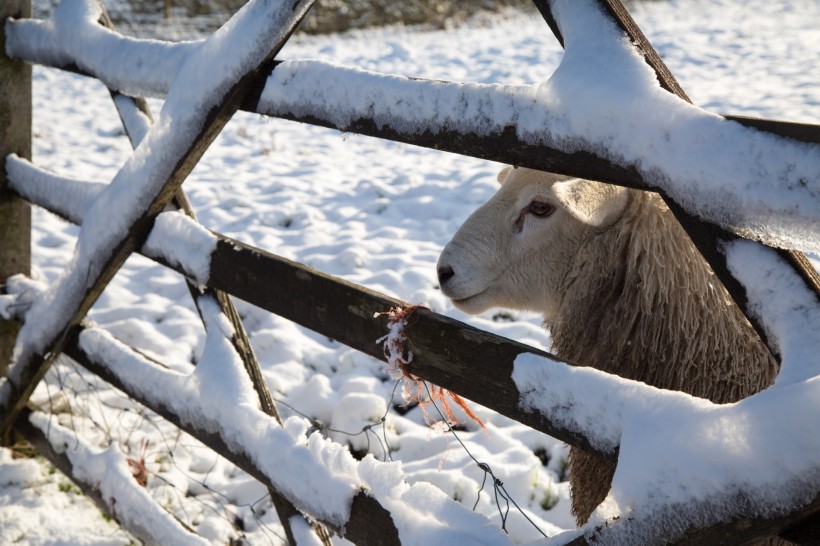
(503, 174)
(593, 203)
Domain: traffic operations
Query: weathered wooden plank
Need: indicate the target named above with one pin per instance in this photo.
(804, 132)
(471, 362)
(791, 527)
(15, 137)
(801, 527)
(369, 522)
(32, 367)
(506, 147)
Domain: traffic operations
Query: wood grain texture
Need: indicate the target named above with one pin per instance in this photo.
(475, 364)
(15, 138)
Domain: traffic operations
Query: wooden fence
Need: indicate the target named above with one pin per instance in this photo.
(476, 364)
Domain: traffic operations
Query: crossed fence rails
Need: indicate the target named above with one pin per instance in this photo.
(473, 363)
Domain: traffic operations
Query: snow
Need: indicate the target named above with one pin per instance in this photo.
(39, 506)
(135, 122)
(787, 309)
(577, 398)
(71, 197)
(175, 238)
(425, 514)
(201, 83)
(343, 94)
(303, 533)
(378, 214)
(682, 458)
(109, 470)
(602, 98)
(71, 35)
(184, 243)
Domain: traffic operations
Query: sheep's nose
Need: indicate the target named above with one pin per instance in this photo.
(445, 273)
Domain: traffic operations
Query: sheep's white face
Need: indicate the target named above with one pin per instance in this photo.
(517, 249)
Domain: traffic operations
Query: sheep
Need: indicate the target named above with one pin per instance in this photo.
(620, 286)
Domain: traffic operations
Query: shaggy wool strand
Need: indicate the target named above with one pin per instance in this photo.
(642, 303)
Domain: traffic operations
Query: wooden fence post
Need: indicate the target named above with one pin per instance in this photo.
(15, 137)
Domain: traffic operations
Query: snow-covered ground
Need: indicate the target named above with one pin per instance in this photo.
(375, 213)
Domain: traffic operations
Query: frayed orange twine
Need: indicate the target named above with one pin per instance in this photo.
(399, 356)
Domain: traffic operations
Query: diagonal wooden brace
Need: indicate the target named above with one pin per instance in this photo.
(708, 237)
(128, 107)
(222, 100)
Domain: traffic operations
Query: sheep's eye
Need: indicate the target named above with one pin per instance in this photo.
(540, 208)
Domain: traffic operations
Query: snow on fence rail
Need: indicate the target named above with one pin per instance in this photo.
(459, 357)
(374, 505)
(780, 204)
(544, 126)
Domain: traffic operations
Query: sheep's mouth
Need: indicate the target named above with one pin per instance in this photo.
(468, 300)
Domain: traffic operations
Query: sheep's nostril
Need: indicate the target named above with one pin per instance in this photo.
(445, 273)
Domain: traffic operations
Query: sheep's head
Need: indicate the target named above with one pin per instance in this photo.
(517, 249)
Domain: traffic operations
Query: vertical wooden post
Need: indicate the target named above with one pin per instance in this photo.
(15, 137)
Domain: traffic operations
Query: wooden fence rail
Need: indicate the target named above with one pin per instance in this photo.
(508, 146)
(454, 355)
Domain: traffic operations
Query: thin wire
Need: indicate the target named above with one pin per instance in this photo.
(221, 501)
(498, 485)
(387, 452)
(213, 500)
